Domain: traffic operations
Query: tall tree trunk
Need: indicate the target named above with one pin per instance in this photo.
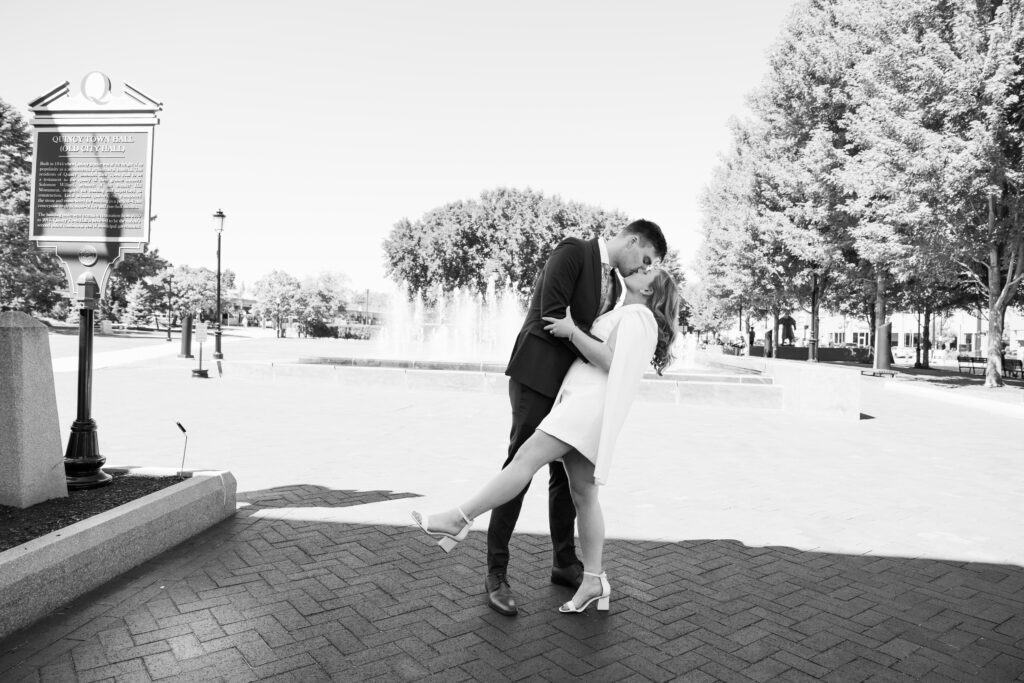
(917, 342)
(994, 367)
(883, 352)
(871, 329)
(926, 343)
(1001, 292)
(775, 332)
(812, 346)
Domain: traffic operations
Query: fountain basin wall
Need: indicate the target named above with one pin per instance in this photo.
(814, 388)
(737, 390)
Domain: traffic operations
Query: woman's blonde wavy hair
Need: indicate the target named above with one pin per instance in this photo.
(664, 303)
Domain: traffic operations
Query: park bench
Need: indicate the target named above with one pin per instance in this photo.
(1012, 367)
(971, 363)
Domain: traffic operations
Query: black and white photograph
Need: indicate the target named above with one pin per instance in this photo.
(538, 341)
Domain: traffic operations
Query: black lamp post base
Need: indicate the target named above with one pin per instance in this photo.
(84, 443)
(92, 481)
(83, 461)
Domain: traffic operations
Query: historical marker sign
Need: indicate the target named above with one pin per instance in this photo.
(92, 176)
(92, 185)
(90, 204)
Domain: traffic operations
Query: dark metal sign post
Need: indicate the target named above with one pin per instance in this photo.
(91, 183)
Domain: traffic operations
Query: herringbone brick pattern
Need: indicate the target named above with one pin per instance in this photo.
(256, 598)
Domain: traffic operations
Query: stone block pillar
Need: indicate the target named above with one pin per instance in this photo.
(31, 454)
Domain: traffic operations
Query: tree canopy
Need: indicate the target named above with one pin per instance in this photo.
(883, 159)
(506, 236)
(30, 280)
(277, 298)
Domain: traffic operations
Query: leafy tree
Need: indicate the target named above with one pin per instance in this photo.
(744, 261)
(708, 313)
(195, 290)
(15, 162)
(505, 236)
(140, 303)
(30, 281)
(129, 271)
(164, 289)
(803, 105)
(320, 300)
(673, 265)
(277, 298)
(989, 228)
(892, 147)
(939, 172)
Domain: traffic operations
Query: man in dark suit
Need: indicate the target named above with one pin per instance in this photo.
(578, 274)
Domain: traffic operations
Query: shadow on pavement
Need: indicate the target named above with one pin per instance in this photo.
(258, 597)
(307, 495)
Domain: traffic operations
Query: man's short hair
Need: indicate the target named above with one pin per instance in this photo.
(651, 233)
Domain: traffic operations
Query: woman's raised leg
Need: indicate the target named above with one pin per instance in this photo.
(539, 450)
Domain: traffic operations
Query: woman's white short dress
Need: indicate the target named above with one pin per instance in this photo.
(592, 405)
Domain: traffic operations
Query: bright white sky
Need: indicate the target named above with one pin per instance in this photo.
(316, 126)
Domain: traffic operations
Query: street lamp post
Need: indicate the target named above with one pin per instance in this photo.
(169, 282)
(218, 225)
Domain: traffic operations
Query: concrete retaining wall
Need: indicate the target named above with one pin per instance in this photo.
(39, 576)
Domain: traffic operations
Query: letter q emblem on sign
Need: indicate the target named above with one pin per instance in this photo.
(96, 87)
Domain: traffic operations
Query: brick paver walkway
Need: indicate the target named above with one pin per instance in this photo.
(261, 598)
(319, 576)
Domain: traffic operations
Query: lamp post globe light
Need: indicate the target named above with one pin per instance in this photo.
(218, 225)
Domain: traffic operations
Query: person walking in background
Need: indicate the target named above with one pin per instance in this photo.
(788, 329)
(582, 427)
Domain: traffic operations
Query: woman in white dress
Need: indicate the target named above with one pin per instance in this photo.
(584, 423)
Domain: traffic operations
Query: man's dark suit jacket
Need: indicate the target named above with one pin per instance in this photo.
(570, 277)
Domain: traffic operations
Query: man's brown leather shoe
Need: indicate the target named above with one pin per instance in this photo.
(499, 595)
(571, 576)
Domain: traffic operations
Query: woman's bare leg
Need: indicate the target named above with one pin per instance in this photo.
(539, 450)
(589, 521)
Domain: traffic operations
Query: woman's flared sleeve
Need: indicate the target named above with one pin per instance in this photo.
(635, 342)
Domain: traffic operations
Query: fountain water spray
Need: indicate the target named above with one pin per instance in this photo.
(460, 326)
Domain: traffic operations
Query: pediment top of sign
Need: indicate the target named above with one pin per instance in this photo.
(96, 94)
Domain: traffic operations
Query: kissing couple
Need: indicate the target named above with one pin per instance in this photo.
(601, 313)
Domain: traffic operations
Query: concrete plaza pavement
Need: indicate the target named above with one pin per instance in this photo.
(743, 544)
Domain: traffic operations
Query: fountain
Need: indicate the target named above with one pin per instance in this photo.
(462, 326)
(464, 340)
